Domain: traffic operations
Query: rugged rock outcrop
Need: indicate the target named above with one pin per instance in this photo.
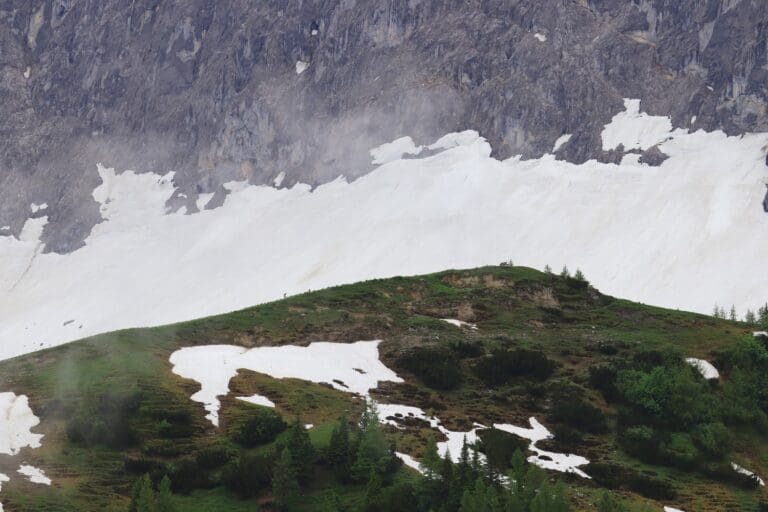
(212, 89)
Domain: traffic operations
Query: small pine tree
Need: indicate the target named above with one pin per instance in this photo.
(373, 451)
(430, 463)
(565, 272)
(732, 314)
(285, 486)
(547, 269)
(749, 317)
(762, 316)
(143, 496)
(302, 451)
(340, 449)
(164, 496)
(579, 275)
(373, 490)
(716, 311)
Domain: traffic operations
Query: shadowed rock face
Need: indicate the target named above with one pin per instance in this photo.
(210, 89)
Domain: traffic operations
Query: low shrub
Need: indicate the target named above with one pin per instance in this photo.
(502, 366)
(249, 474)
(261, 426)
(437, 367)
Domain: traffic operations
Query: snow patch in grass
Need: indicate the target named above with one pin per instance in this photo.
(16, 423)
(672, 509)
(460, 323)
(564, 463)
(257, 400)
(34, 475)
(301, 66)
(540, 37)
(745, 471)
(705, 368)
(409, 461)
(38, 207)
(213, 366)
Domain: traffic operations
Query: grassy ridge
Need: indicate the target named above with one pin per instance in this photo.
(514, 307)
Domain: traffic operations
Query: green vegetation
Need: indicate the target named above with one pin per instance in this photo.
(607, 376)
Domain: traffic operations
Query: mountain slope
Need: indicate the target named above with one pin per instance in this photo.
(152, 425)
(680, 234)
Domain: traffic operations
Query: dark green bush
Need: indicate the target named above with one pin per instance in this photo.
(502, 366)
(261, 426)
(577, 413)
(249, 474)
(437, 367)
(213, 457)
(186, 475)
(603, 378)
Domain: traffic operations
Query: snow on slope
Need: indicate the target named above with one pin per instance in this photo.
(686, 234)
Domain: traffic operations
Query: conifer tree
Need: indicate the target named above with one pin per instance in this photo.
(285, 486)
(430, 463)
(579, 275)
(547, 269)
(143, 499)
(373, 451)
(164, 496)
(565, 272)
(750, 317)
(373, 490)
(302, 451)
(732, 314)
(340, 449)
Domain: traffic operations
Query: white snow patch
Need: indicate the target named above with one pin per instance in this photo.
(745, 471)
(301, 66)
(394, 150)
(540, 37)
(705, 368)
(314, 32)
(760, 333)
(635, 130)
(34, 475)
(334, 363)
(409, 461)
(672, 509)
(564, 463)
(27, 72)
(203, 200)
(308, 426)
(279, 179)
(460, 323)
(561, 140)
(38, 207)
(693, 119)
(257, 400)
(458, 208)
(16, 423)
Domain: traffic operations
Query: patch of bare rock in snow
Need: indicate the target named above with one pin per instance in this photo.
(460, 323)
(348, 367)
(705, 368)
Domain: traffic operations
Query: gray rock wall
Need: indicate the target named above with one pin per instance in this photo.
(209, 89)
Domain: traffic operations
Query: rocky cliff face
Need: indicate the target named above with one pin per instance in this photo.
(235, 89)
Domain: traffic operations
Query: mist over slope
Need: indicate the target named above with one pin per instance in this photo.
(680, 234)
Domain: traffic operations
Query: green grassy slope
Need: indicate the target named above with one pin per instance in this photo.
(97, 380)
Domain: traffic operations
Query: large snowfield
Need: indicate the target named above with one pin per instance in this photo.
(685, 234)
